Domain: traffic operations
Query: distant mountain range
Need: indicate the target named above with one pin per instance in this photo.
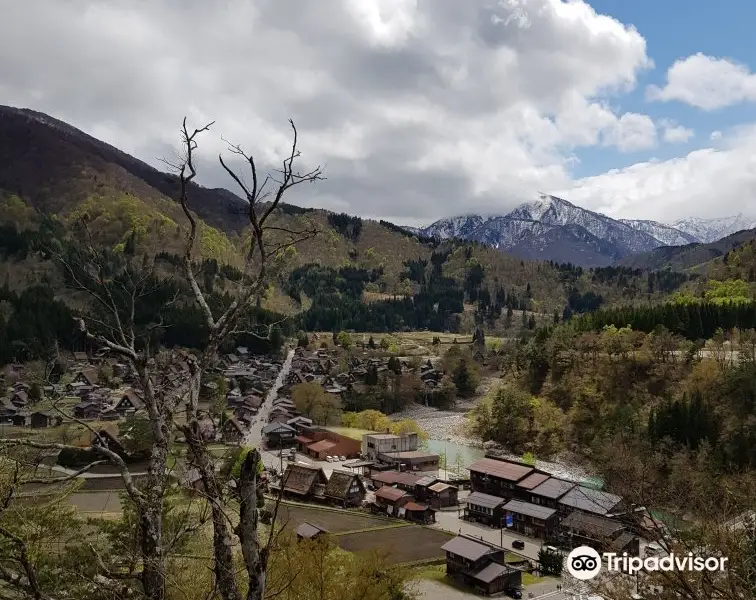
(552, 228)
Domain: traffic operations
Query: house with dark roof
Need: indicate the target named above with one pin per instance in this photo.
(498, 477)
(589, 501)
(128, 403)
(345, 488)
(232, 431)
(550, 491)
(86, 377)
(389, 500)
(278, 435)
(532, 519)
(418, 513)
(304, 481)
(484, 508)
(600, 533)
(41, 419)
(480, 566)
(401, 479)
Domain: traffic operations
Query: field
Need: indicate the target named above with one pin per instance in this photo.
(356, 532)
(334, 521)
(92, 504)
(405, 544)
(417, 343)
(355, 434)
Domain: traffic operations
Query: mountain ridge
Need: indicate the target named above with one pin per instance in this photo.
(549, 228)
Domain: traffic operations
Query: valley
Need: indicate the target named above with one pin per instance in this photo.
(142, 326)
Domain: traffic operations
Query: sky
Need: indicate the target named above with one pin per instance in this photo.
(416, 109)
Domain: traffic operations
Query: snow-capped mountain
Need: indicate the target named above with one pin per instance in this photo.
(668, 235)
(711, 230)
(551, 229)
(455, 227)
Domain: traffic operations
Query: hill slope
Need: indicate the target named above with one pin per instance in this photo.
(52, 170)
(686, 257)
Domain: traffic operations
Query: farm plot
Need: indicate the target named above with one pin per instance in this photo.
(402, 544)
(334, 521)
(102, 503)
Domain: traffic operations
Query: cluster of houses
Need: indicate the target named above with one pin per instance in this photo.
(326, 368)
(89, 398)
(507, 494)
(93, 398)
(401, 495)
(249, 378)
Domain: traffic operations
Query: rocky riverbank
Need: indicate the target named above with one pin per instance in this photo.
(443, 425)
(451, 426)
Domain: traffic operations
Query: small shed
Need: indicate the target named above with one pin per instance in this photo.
(308, 531)
(419, 513)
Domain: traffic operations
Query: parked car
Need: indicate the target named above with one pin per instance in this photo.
(519, 544)
(329, 459)
(514, 592)
(342, 458)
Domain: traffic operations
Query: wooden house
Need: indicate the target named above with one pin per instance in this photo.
(128, 403)
(232, 431)
(480, 566)
(346, 489)
(304, 481)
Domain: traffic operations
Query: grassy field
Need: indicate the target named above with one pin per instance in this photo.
(350, 432)
(335, 521)
(97, 504)
(417, 343)
(425, 542)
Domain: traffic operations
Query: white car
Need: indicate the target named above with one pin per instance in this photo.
(329, 459)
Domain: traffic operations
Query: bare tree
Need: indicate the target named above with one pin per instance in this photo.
(261, 204)
(116, 287)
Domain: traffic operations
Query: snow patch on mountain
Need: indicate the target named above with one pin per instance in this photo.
(667, 235)
(711, 230)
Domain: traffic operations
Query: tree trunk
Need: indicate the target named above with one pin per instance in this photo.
(150, 509)
(153, 570)
(223, 548)
(255, 558)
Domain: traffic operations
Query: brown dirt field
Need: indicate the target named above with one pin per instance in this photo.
(404, 544)
(333, 521)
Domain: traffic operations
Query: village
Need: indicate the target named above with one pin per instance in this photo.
(487, 525)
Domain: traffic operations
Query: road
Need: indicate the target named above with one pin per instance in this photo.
(253, 439)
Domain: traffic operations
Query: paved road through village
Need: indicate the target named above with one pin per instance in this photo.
(253, 439)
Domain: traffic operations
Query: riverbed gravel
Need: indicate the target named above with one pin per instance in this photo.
(451, 426)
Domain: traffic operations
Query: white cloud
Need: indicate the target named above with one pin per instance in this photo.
(708, 182)
(632, 132)
(418, 108)
(706, 82)
(412, 105)
(673, 133)
(715, 135)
